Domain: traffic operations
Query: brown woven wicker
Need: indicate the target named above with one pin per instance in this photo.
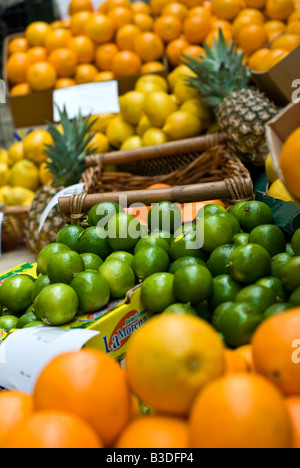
(13, 227)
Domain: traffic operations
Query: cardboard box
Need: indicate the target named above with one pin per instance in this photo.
(35, 109)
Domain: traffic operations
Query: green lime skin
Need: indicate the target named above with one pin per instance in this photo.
(183, 309)
(123, 256)
(233, 221)
(241, 239)
(217, 231)
(193, 284)
(56, 305)
(252, 214)
(225, 290)
(41, 282)
(93, 291)
(102, 213)
(289, 249)
(259, 297)
(295, 298)
(120, 277)
(8, 322)
(148, 261)
(211, 209)
(157, 292)
(69, 235)
(180, 262)
(165, 216)
(28, 317)
(203, 311)
(276, 285)
(249, 263)
(151, 241)
(276, 309)
(46, 253)
(15, 293)
(94, 240)
(290, 274)
(186, 245)
(91, 261)
(218, 262)
(296, 242)
(278, 263)
(37, 323)
(270, 237)
(218, 313)
(124, 231)
(167, 236)
(64, 266)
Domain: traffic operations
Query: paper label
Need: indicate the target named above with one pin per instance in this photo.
(25, 353)
(91, 98)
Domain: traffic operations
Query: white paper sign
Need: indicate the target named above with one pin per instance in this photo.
(25, 353)
(91, 98)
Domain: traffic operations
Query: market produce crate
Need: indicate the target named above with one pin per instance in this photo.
(13, 227)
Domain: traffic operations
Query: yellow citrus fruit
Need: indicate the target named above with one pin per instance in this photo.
(132, 143)
(101, 122)
(279, 191)
(153, 79)
(182, 124)
(158, 107)
(289, 162)
(34, 145)
(195, 106)
(143, 125)
(25, 174)
(270, 171)
(183, 92)
(154, 136)
(18, 196)
(178, 73)
(4, 173)
(4, 156)
(15, 153)
(45, 175)
(118, 131)
(132, 106)
(99, 143)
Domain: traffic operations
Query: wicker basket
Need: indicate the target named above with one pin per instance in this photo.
(13, 227)
(204, 170)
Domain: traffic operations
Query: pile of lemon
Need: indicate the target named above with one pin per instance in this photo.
(23, 169)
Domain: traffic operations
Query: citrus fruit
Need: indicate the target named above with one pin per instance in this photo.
(293, 406)
(180, 309)
(76, 6)
(4, 174)
(25, 319)
(8, 322)
(120, 277)
(56, 304)
(185, 244)
(295, 297)
(103, 210)
(154, 136)
(183, 261)
(100, 28)
(17, 68)
(288, 164)
(289, 249)
(132, 106)
(296, 242)
(226, 9)
(276, 309)
(15, 407)
(158, 106)
(276, 285)
(148, 261)
(25, 174)
(168, 28)
(290, 274)
(104, 56)
(41, 76)
(259, 297)
(182, 124)
(211, 209)
(123, 256)
(160, 83)
(197, 27)
(278, 263)
(35, 145)
(118, 131)
(64, 266)
(94, 240)
(123, 232)
(83, 47)
(270, 171)
(64, 61)
(131, 143)
(93, 291)
(225, 289)
(270, 237)
(36, 33)
(91, 261)
(217, 231)
(85, 73)
(193, 283)
(15, 153)
(15, 293)
(241, 239)
(233, 411)
(279, 10)
(274, 351)
(69, 235)
(157, 292)
(22, 88)
(218, 262)
(41, 282)
(252, 214)
(149, 46)
(249, 263)
(164, 216)
(126, 63)
(34, 324)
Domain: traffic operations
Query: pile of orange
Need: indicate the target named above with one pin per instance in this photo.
(196, 393)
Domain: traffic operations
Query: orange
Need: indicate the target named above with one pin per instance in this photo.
(36, 33)
(155, 432)
(196, 28)
(41, 76)
(247, 353)
(80, 5)
(279, 9)
(293, 406)
(140, 7)
(143, 21)
(220, 24)
(170, 359)
(194, 51)
(275, 56)
(274, 28)
(158, 186)
(85, 73)
(52, 429)
(126, 36)
(35, 145)
(57, 38)
(293, 28)
(64, 83)
(257, 61)
(104, 76)
(252, 37)
(244, 20)
(37, 54)
(253, 13)
(226, 9)
(157, 6)
(240, 411)
(151, 67)
(174, 50)
(120, 16)
(15, 407)
(176, 9)
(110, 4)
(235, 363)
(105, 55)
(168, 28)
(126, 63)
(16, 67)
(83, 47)
(149, 46)
(260, 4)
(192, 3)
(287, 42)
(22, 88)
(78, 22)
(295, 16)
(19, 44)
(74, 382)
(100, 28)
(64, 61)
(273, 352)
(214, 35)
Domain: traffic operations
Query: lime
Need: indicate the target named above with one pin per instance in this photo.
(148, 261)
(124, 231)
(290, 274)
(276, 285)
(151, 241)
(91, 261)
(92, 290)
(35, 324)
(296, 242)
(259, 297)
(167, 236)
(180, 309)
(94, 240)
(8, 322)
(100, 214)
(56, 305)
(46, 253)
(218, 262)
(157, 292)
(193, 284)
(28, 317)
(165, 216)
(295, 298)
(188, 228)
(15, 293)
(203, 311)
(289, 249)
(41, 282)
(217, 231)
(69, 235)
(119, 276)
(252, 214)
(270, 237)
(124, 256)
(218, 313)
(248, 263)
(276, 309)
(185, 245)
(241, 239)
(210, 210)
(180, 262)
(225, 290)
(233, 221)
(278, 263)
(64, 266)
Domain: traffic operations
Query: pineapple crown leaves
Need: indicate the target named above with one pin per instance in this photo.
(219, 73)
(66, 156)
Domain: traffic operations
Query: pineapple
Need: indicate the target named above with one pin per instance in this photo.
(66, 162)
(242, 111)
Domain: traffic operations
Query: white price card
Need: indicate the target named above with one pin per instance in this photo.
(91, 98)
(25, 353)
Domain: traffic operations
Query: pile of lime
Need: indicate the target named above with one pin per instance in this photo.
(232, 268)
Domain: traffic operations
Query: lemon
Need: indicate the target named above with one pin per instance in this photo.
(156, 80)
(154, 136)
(178, 73)
(132, 106)
(34, 145)
(4, 173)
(4, 156)
(195, 106)
(4, 193)
(148, 88)
(183, 92)
(143, 125)
(278, 191)
(131, 143)
(99, 143)
(25, 174)
(270, 171)
(182, 124)
(15, 153)
(158, 107)
(101, 122)
(45, 175)
(18, 196)
(118, 131)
